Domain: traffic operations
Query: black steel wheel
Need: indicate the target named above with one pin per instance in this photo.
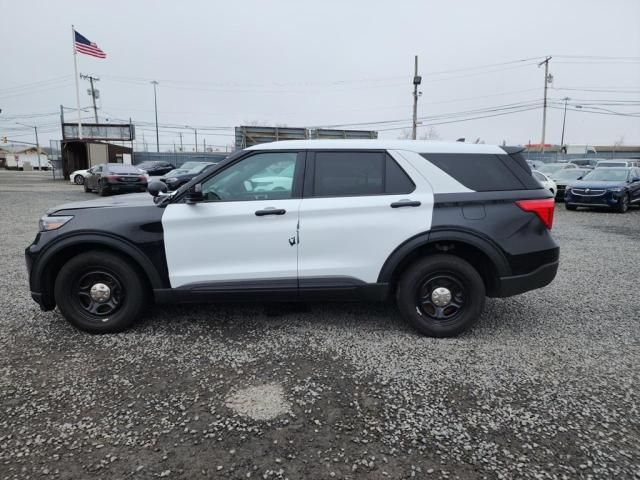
(99, 292)
(441, 295)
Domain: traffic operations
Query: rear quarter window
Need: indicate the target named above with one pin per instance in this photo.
(484, 172)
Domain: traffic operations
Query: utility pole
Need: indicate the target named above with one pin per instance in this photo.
(195, 130)
(416, 81)
(35, 127)
(544, 105)
(93, 93)
(155, 104)
(204, 144)
(181, 149)
(564, 120)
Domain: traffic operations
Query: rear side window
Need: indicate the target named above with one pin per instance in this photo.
(343, 174)
(484, 172)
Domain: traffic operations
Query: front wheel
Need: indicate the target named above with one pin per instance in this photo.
(441, 295)
(623, 204)
(78, 180)
(103, 190)
(99, 292)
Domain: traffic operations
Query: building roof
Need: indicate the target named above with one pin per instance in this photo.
(419, 146)
(15, 149)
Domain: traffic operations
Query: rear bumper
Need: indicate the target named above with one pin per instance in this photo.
(538, 278)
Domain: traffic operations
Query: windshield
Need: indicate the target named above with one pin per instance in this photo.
(123, 169)
(550, 167)
(568, 174)
(608, 175)
(612, 164)
(188, 168)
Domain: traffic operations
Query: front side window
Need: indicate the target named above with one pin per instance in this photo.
(264, 176)
(343, 174)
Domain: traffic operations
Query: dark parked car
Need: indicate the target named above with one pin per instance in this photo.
(611, 187)
(115, 177)
(155, 167)
(189, 170)
(566, 176)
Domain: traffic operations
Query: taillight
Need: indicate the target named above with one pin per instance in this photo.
(543, 208)
(142, 178)
(113, 178)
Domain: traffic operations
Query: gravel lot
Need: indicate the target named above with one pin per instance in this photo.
(545, 385)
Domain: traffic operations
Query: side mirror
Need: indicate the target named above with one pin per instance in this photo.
(194, 195)
(635, 179)
(156, 187)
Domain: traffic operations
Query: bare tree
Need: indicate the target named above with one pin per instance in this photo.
(431, 134)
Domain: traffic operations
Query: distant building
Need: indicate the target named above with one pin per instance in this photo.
(14, 157)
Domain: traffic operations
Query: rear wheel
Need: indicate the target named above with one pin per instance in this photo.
(99, 292)
(78, 180)
(441, 295)
(570, 207)
(623, 204)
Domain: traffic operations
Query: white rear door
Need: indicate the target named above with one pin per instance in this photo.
(246, 227)
(358, 208)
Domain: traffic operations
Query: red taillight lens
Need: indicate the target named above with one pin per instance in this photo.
(113, 178)
(543, 207)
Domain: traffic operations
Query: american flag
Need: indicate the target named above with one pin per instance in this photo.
(83, 45)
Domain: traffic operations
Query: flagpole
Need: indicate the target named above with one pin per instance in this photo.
(75, 68)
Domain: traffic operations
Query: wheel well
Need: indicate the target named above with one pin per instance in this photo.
(53, 267)
(476, 257)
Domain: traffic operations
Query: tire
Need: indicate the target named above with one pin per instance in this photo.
(570, 207)
(78, 180)
(73, 289)
(623, 204)
(86, 189)
(103, 191)
(454, 274)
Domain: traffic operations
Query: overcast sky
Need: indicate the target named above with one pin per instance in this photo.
(225, 63)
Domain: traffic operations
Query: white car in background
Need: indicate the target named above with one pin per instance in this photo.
(545, 181)
(77, 177)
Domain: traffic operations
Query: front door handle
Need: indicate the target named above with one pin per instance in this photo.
(270, 211)
(406, 203)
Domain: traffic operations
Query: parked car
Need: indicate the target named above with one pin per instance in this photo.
(617, 163)
(77, 177)
(612, 187)
(155, 167)
(546, 181)
(435, 226)
(550, 168)
(115, 177)
(179, 176)
(589, 163)
(566, 176)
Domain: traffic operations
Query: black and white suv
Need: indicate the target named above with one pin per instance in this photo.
(435, 226)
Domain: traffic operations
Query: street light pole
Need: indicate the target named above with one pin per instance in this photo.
(564, 120)
(35, 127)
(155, 104)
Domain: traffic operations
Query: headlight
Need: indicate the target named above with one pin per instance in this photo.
(567, 189)
(171, 180)
(53, 222)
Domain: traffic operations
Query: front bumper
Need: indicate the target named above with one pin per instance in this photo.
(538, 278)
(608, 199)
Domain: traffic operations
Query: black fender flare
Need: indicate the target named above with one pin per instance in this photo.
(113, 242)
(444, 234)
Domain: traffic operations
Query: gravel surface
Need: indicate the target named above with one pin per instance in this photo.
(544, 386)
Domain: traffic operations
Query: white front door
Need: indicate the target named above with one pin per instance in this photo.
(356, 213)
(244, 229)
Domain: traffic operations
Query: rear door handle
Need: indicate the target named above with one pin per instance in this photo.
(270, 211)
(406, 203)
